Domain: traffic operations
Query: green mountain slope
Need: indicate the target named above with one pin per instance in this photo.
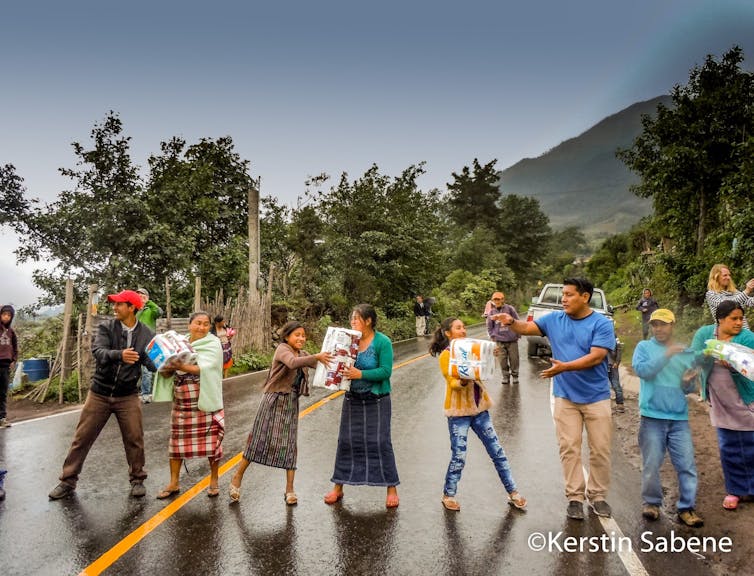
(580, 182)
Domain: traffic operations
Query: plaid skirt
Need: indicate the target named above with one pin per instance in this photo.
(272, 440)
(365, 451)
(193, 433)
(737, 460)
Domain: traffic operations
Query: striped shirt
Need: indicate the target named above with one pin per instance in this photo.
(714, 299)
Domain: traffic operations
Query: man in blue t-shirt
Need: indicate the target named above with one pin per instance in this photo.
(580, 339)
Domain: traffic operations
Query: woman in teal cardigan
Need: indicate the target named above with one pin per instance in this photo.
(731, 398)
(365, 452)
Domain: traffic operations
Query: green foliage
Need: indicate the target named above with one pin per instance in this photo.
(473, 196)
(39, 338)
(70, 389)
(250, 362)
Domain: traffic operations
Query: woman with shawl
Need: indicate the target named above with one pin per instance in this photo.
(197, 422)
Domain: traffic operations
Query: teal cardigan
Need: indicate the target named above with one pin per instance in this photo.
(380, 376)
(745, 338)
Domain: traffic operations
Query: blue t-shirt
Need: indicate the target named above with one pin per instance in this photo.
(571, 339)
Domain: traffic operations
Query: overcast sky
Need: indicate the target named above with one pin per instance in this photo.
(334, 86)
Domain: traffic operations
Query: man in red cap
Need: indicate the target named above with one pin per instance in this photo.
(119, 350)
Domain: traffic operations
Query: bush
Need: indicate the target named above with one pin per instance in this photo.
(250, 362)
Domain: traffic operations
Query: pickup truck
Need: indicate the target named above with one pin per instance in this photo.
(549, 301)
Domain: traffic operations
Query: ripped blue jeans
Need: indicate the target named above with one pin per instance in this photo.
(481, 424)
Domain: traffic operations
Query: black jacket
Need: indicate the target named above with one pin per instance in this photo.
(421, 310)
(112, 376)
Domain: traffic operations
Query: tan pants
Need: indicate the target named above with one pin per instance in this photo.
(570, 420)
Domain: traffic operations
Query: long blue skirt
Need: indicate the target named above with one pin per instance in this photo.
(365, 453)
(737, 459)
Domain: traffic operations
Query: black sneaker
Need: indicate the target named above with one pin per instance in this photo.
(650, 511)
(138, 490)
(601, 508)
(575, 510)
(61, 491)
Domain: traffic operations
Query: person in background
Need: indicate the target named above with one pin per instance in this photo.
(225, 333)
(613, 374)
(8, 357)
(421, 314)
(506, 341)
(667, 372)
(731, 402)
(646, 306)
(197, 422)
(148, 316)
(119, 351)
(720, 287)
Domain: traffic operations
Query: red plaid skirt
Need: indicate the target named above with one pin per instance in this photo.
(193, 433)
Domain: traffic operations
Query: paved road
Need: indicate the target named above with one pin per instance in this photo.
(101, 530)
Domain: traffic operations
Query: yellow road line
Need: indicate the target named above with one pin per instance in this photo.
(113, 554)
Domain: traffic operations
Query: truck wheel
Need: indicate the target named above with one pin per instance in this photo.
(531, 348)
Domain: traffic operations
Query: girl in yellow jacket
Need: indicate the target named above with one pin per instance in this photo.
(466, 406)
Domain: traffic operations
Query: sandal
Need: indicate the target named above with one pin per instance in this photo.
(234, 492)
(333, 496)
(450, 503)
(516, 500)
(213, 491)
(731, 502)
(391, 501)
(290, 498)
(167, 493)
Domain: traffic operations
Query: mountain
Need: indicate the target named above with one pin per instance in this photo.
(581, 183)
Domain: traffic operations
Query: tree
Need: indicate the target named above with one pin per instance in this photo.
(524, 232)
(473, 197)
(687, 152)
(88, 229)
(13, 202)
(382, 238)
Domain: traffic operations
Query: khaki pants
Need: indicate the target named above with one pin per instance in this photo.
(421, 325)
(508, 357)
(570, 421)
(95, 414)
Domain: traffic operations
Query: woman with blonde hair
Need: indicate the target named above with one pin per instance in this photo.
(720, 287)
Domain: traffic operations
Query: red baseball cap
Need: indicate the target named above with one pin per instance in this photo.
(128, 296)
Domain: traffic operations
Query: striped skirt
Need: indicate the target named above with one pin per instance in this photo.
(365, 452)
(193, 433)
(272, 440)
(737, 460)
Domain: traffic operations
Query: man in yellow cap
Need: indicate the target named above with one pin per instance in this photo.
(666, 370)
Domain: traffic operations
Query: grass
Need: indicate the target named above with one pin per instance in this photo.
(628, 329)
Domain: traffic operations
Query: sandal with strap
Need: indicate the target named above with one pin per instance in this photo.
(450, 503)
(234, 492)
(290, 498)
(731, 502)
(516, 500)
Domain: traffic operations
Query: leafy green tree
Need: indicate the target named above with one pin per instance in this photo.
(13, 202)
(382, 238)
(474, 195)
(686, 153)
(524, 232)
(86, 230)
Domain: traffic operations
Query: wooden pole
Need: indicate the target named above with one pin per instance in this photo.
(168, 309)
(197, 293)
(257, 324)
(65, 368)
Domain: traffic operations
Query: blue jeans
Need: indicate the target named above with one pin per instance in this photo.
(657, 436)
(614, 377)
(458, 426)
(146, 381)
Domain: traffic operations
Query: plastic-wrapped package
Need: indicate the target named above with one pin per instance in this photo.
(343, 343)
(472, 359)
(169, 349)
(739, 357)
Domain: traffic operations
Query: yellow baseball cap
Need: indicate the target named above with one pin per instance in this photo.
(663, 315)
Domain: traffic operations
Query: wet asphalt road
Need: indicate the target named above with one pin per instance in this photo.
(358, 536)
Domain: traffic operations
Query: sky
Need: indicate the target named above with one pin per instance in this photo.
(335, 86)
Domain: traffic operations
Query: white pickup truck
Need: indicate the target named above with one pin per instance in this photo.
(548, 301)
